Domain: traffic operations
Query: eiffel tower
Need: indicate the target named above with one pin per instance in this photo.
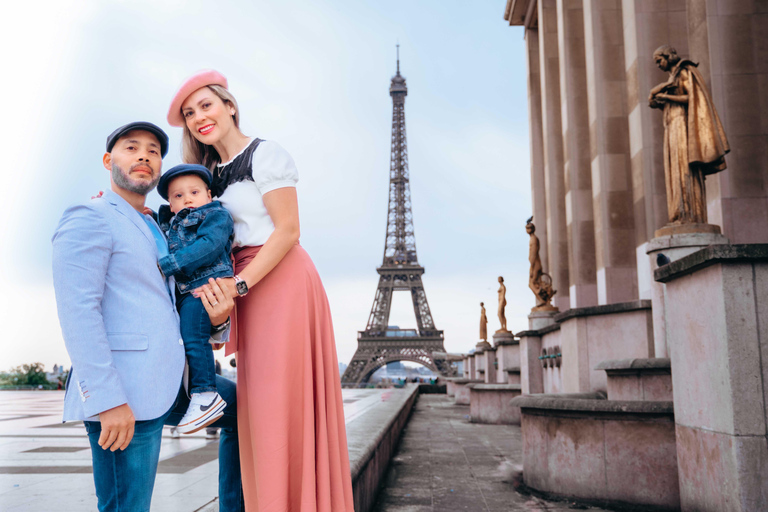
(379, 343)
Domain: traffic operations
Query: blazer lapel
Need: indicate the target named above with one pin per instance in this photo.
(122, 206)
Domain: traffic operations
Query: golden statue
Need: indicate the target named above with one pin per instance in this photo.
(539, 282)
(483, 323)
(694, 140)
(502, 305)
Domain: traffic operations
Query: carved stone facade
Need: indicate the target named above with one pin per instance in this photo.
(597, 163)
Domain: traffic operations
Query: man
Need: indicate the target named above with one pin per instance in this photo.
(121, 329)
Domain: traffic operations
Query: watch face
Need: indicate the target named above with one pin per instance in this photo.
(242, 288)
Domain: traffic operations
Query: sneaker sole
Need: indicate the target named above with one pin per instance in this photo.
(213, 414)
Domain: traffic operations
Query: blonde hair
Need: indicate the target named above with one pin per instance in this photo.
(195, 152)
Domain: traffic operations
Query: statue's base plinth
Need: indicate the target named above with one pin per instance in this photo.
(541, 318)
(678, 242)
(503, 338)
(687, 229)
(482, 346)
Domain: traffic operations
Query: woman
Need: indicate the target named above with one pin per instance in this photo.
(293, 446)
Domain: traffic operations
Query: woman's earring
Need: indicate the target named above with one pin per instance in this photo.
(233, 112)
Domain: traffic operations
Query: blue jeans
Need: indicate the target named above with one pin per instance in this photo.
(196, 331)
(125, 479)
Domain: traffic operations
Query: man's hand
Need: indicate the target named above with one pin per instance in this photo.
(116, 428)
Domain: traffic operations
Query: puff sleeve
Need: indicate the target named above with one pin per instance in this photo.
(273, 167)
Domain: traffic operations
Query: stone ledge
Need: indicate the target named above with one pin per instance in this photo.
(619, 307)
(513, 369)
(635, 364)
(539, 332)
(467, 381)
(372, 439)
(711, 255)
(501, 343)
(582, 402)
(495, 387)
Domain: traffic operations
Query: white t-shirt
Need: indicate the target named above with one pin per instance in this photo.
(272, 168)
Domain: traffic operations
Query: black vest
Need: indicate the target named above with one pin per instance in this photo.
(239, 169)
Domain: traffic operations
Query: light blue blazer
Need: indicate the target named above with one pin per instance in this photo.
(118, 319)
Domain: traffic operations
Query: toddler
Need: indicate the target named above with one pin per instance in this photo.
(199, 241)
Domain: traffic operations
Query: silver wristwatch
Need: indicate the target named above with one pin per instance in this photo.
(241, 286)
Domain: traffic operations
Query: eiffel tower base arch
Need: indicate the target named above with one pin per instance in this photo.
(372, 355)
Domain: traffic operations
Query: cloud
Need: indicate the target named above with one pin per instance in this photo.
(313, 76)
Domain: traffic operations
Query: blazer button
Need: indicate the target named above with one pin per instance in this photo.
(181, 341)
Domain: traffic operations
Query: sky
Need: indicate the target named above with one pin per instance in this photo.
(313, 76)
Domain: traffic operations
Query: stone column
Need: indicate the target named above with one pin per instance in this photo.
(531, 372)
(648, 25)
(609, 148)
(489, 358)
(538, 187)
(729, 39)
(557, 234)
(578, 175)
(479, 366)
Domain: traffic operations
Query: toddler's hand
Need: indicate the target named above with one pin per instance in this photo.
(101, 193)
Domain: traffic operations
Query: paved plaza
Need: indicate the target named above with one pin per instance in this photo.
(45, 465)
(443, 464)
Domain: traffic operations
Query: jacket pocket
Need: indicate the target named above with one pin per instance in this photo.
(127, 341)
(191, 220)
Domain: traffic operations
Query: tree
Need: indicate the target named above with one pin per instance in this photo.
(25, 375)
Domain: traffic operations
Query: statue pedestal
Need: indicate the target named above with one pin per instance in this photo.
(540, 319)
(675, 242)
(718, 300)
(501, 338)
(483, 345)
(507, 358)
(687, 229)
(485, 355)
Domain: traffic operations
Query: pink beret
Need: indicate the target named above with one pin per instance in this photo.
(190, 85)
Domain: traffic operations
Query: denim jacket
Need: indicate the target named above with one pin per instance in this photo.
(199, 240)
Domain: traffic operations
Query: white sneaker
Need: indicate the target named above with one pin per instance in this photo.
(204, 409)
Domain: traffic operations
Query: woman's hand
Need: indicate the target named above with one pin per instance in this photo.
(224, 282)
(217, 298)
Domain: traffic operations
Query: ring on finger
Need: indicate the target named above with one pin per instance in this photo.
(214, 304)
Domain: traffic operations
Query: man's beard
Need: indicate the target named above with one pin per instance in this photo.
(124, 181)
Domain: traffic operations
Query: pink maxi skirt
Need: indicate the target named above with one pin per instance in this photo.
(293, 442)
